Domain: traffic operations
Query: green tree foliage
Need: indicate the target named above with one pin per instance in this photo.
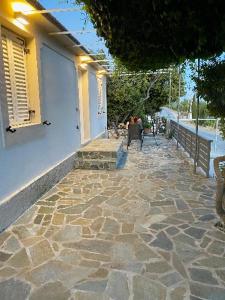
(210, 86)
(138, 93)
(156, 33)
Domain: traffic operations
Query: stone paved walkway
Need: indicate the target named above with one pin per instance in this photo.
(144, 232)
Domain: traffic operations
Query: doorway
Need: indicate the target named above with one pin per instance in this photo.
(84, 105)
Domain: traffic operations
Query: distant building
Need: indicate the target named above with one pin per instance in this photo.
(52, 100)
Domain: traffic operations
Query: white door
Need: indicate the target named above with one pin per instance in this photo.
(84, 106)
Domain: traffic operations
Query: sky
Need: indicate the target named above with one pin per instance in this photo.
(78, 20)
(74, 21)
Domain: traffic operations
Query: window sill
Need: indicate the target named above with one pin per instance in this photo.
(25, 125)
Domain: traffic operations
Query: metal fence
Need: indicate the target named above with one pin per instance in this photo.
(187, 139)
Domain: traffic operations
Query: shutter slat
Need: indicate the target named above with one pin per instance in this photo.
(6, 66)
(21, 86)
(15, 78)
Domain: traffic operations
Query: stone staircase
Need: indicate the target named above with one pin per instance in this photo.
(101, 154)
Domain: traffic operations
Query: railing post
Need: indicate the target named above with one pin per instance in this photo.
(196, 138)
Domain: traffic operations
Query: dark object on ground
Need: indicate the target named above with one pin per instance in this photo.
(220, 190)
(220, 226)
(134, 133)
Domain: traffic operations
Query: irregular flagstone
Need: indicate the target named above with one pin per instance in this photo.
(207, 217)
(142, 232)
(12, 289)
(74, 210)
(93, 212)
(187, 216)
(3, 237)
(127, 228)
(134, 267)
(187, 253)
(194, 298)
(143, 252)
(4, 256)
(58, 271)
(19, 260)
(116, 201)
(117, 287)
(97, 200)
(69, 256)
(178, 265)
(162, 203)
(216, 247)
(127, 238)
(97, 224)
(197, 233)
(22, 232)
(50, 291)
(181, 205)
(100, 273)
(207, 292)
(202, 275)
(98, 286)
(7, 272)
(158, 267)
(122, 252)
(170, 279)
(144, 288)
(205, 242)
(178, 293)
(41, 252)
(12, 245)
(162, 241)
(111, 226)
(211, 262)
(216, 234)
(221, 274)
(183, 238)
(98, 246)
(84, 295)
(94, 256)
(158, 226)
(172, 230)
(68, 233)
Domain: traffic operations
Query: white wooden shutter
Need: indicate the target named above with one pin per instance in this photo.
(100, 94)
(15, 78)
(9, 93)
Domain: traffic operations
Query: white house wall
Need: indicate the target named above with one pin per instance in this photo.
(38, 149)
(48, 145)
(98, 121)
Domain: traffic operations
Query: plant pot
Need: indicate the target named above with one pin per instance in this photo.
(147, 130)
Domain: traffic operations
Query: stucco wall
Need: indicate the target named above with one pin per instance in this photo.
(34, 150)
(48, 145)
(98, 121)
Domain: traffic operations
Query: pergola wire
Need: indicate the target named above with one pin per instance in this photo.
(52, 10)
(71, 32)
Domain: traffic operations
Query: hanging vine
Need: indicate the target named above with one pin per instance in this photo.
(153, 34)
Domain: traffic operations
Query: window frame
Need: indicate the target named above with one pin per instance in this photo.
(100, 94)
(25, 132)
(19, 94)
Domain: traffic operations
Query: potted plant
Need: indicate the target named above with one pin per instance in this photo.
(147, 127)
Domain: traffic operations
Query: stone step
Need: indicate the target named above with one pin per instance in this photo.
(97, 154)
(95, 164)
(100, 154)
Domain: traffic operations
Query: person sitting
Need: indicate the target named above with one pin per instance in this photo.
(134, 132)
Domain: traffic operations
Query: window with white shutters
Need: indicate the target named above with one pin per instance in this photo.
(14, 62)
(100, 94)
